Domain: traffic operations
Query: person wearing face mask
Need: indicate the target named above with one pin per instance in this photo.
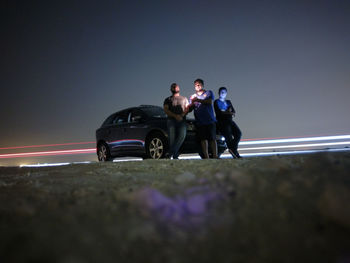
(224, 112)
(176, 108)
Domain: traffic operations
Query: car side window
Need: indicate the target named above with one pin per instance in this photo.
(121, 118)
(136, 116)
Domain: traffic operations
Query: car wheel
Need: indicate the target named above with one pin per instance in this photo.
(156, 146)
(103, 153)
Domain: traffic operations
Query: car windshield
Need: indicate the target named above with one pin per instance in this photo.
(155, 112)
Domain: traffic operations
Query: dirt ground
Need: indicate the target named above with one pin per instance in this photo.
(261, 209)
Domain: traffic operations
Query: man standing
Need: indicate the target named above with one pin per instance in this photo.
(224, 112)
(175, 107)
(201, 102)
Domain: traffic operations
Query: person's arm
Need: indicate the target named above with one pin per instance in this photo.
(230, 110)
(217, 109)
(187, 108)
(208, 100)
(170, 114)
(190, 106)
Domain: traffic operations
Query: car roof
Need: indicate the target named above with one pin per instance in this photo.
(148, 106)
(142, 106)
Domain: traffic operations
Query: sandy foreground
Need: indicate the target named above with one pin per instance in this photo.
(261, 209)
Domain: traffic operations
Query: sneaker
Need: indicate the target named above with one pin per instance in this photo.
(232, 153)
(237, 154)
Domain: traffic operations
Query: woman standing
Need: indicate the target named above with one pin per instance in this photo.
(224, 112)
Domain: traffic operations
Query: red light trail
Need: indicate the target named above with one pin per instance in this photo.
(48, 153)
(45, 145)
(285, 144)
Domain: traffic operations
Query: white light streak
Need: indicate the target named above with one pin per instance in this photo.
(51, 164)
(306, 139)
(273, 147)
(127, 160)
(257, 154)
(78, 151)
(43, 164)
(296, 146)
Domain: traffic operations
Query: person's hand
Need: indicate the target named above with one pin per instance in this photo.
(178, 117)
(193, 98)
(187, 108)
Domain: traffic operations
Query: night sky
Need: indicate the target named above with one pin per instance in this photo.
(67, 65)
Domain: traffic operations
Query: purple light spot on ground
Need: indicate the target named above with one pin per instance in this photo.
(196, 204)
(187, 210)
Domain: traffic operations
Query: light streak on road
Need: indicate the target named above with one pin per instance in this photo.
(305, 139)
(296, 146)
(48, 153)
(45, 145)
(197, 157)
(243, 142)
(256, 154)
(50, 164)
(44, 164)
(275, 147)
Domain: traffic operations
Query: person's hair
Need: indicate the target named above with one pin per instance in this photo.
(172, 88)
(222, 88)
(199, 81)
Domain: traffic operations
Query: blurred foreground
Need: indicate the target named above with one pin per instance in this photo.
(265, 209)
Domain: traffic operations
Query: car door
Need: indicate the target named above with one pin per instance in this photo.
(116, 133)
(136, 131)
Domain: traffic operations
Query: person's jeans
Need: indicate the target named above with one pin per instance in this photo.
(232, 134)
(177, 133)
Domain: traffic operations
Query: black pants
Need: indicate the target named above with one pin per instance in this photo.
(232, 134)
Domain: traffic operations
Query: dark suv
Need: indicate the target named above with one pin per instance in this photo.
(142, 132)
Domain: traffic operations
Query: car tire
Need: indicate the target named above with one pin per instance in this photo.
(156, 146)
(103, 153)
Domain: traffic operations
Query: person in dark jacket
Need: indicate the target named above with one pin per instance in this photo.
(228, 128)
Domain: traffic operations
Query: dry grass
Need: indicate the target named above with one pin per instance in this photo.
(268, 209)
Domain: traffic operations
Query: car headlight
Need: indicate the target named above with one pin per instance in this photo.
(190, 127)
(220, 138)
